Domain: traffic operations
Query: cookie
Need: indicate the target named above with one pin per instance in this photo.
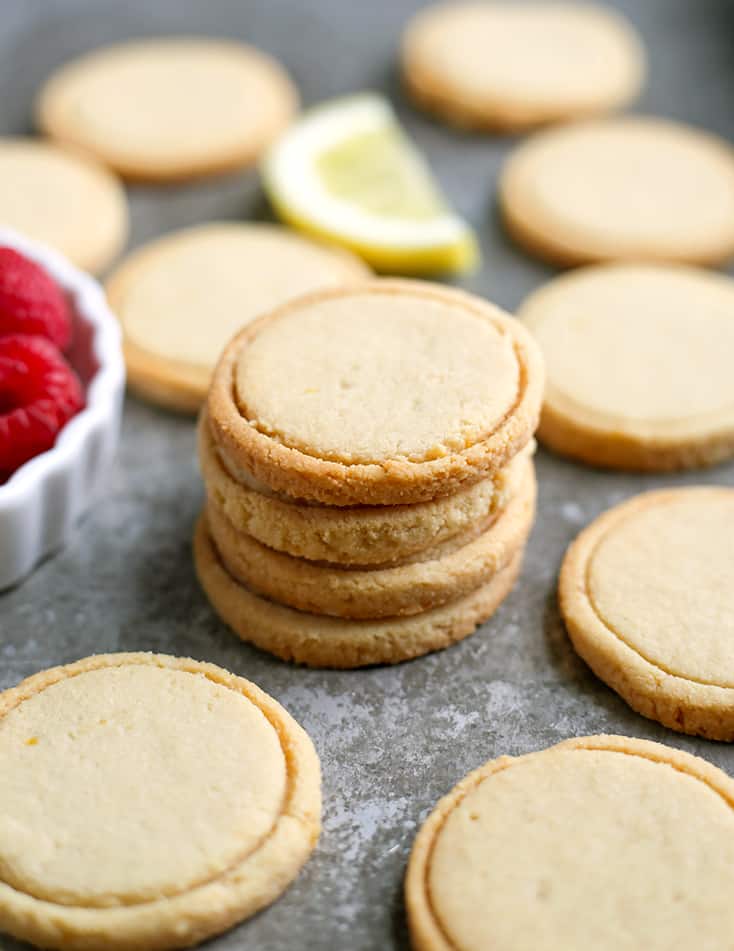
(600, 842)
(147, 802)
(638, 362)
(182, 297)
(319, 641)
(387, 393)
(647, 595)
(436, 576)
(210, 106)
(64, 200)
(509, 66)
(361, 535)
(634, 188)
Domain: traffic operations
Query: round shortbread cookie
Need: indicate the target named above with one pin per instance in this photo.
(638, 363)
(385, 393)
(320, 641)
(64, 200)
(147, 801)
(600, 842)
(633, 188)
(647, 595)
(209, 105)
(182, 297)
(436, 576)
(361, 535)
(508, 66)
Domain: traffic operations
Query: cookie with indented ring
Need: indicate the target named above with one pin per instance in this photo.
(386, 393)
(600, 842)
(147, 801)
(647, 595)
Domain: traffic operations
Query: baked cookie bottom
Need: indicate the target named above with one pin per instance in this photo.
(217, 898)
(320, 641)
(436, 576)
(534, 851)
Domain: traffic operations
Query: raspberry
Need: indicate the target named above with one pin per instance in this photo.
(30, 301)
(39, 392)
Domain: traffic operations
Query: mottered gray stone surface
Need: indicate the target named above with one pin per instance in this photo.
(391, 740)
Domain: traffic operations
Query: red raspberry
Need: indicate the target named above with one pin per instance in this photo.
(39, 392)
(30, 301)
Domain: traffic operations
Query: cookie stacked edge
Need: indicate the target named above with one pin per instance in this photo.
(320, 542)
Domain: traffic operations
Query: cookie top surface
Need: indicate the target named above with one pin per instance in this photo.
(544, 850)
(214, 781)
(627, 188)
(389, 392)
(141, 787)
(365, 377)
(182, 297)
(209, 105)
(637, 348)
(517, 64)
(645, 592)
(83, 213)
(661, 578)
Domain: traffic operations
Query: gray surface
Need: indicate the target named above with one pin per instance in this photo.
(392, 741)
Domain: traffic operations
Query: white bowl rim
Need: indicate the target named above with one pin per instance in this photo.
(104, 388)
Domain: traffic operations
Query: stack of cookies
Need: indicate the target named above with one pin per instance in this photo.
(367, 458)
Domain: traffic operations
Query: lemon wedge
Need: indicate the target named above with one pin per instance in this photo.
(346, 172)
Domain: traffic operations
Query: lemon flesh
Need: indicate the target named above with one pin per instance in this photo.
(347, 173)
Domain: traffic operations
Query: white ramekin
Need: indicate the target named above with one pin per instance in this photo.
(40, 502)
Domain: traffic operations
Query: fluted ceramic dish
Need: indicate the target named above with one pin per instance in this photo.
(42, 500)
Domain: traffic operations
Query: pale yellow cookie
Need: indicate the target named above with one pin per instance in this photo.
(59, 197)
(386, 393)
(647, 595)
(602, 842)
(436, 576)
(633, 188)
(320, 641)
(169, 108)
(147, 802)
(358, 535)
(639, 365)
(182, 297)
(506, 66)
